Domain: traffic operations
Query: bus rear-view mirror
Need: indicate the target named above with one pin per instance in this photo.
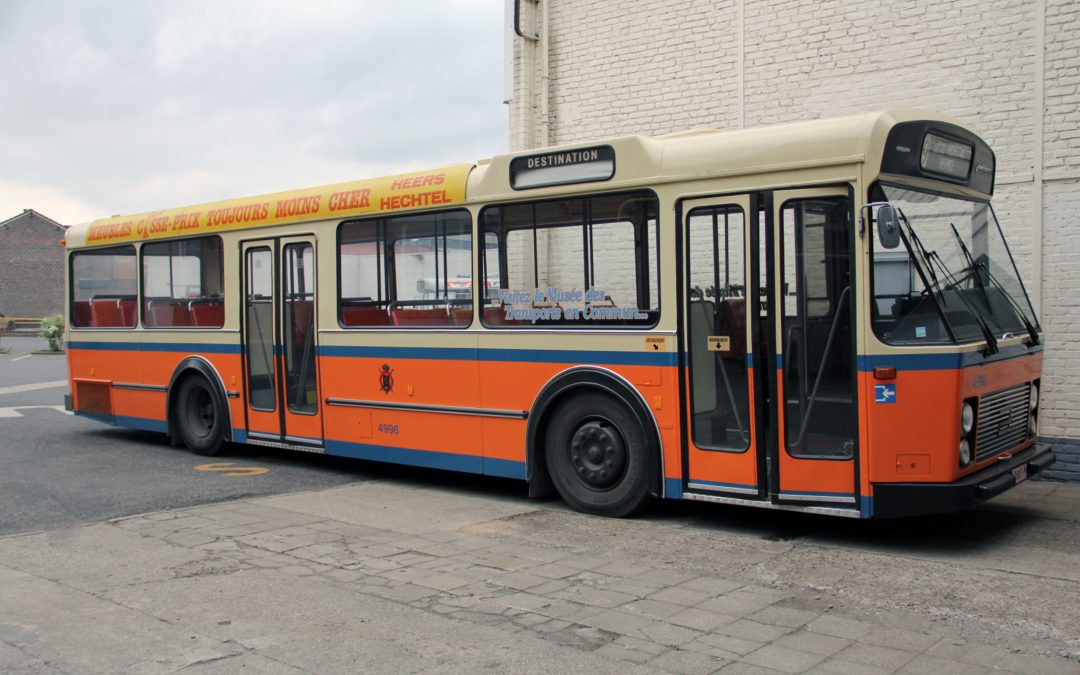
(888, 222)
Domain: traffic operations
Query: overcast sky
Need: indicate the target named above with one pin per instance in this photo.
(123, 106)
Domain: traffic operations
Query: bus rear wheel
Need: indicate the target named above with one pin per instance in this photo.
(598, 457)
(199, 418)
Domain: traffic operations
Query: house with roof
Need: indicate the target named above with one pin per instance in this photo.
(31, 266)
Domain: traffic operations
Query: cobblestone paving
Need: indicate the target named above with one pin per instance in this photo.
(656, 616)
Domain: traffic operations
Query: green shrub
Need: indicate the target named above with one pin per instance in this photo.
(52, 329)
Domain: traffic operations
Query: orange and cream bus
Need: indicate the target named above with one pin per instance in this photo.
(821, 316)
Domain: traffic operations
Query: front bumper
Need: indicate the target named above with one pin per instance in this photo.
(896, 500)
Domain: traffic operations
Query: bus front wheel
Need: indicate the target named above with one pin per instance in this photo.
(198, 417)
(597, 456)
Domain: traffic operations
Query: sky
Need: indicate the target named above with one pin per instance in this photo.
(124, 106)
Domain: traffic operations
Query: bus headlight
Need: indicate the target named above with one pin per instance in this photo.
(1033, 400)
(967, 419)
(965, 452)
(1033, 424)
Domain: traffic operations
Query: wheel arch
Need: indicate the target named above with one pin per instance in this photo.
(574, 380)
(197, 365)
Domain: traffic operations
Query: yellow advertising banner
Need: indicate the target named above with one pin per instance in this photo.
(415, 190)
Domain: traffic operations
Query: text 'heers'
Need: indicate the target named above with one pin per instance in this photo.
(418, 181)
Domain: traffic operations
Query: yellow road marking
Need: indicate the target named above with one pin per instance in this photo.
(230, 469)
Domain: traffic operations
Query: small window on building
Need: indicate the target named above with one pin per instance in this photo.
(583, 262)
(407, 271)
(103, 288)
(182, 284)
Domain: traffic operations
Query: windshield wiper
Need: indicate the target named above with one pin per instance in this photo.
(915, 249)
(922, 251)
(988, 335)
(972, 268)
(938, 290)
(1019, 312)
(975, 267)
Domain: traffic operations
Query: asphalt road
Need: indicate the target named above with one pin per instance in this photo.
(57, 469)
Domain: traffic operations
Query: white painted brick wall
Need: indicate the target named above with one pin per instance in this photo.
(655, 66)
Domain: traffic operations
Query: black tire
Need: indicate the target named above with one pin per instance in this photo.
(199, 417)
(598, 456)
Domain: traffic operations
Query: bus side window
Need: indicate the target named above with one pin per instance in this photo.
(405, 271)
(103, 288)
(573, 262)
(719, 373)
(183, 284)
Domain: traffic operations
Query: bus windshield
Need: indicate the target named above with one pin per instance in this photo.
(952, 279)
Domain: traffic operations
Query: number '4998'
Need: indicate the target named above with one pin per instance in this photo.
(388, 428)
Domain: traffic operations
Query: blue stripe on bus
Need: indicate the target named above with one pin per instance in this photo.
(512, 355)
(673, 488)
(944, 361)
(128, 422)
(142, 423)
(488, 466)
(188, 347)
(866, 363)
(504, 468)
(912, 362)
(428, 458)
(866, 507)
(431, 353)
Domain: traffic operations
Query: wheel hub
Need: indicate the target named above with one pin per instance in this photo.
(598, 454)
(201, 412)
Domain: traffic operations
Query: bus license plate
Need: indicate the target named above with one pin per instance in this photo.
(1020, 473)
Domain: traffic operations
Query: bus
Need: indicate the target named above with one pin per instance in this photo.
(820, 316)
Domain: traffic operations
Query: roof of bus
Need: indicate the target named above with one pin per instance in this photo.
(639, 160)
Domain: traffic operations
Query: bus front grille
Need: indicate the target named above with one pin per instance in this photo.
(1002, 420)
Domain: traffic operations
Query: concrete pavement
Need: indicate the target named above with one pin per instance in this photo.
(385, 576)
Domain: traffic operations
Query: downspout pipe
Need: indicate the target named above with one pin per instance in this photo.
(1037, 157)
(544, 45)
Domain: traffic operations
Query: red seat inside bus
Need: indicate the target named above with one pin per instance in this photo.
(364, 316)
(496, 316)
(733, 324)
(420, 317)
(461, 316)
(303, 315)
(127, 312)
(208, 313)
(80, 313)
(112, 312)
(105, 312)
(162, 313)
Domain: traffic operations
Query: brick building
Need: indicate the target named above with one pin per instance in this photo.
(31, 266)
(1010, 69)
